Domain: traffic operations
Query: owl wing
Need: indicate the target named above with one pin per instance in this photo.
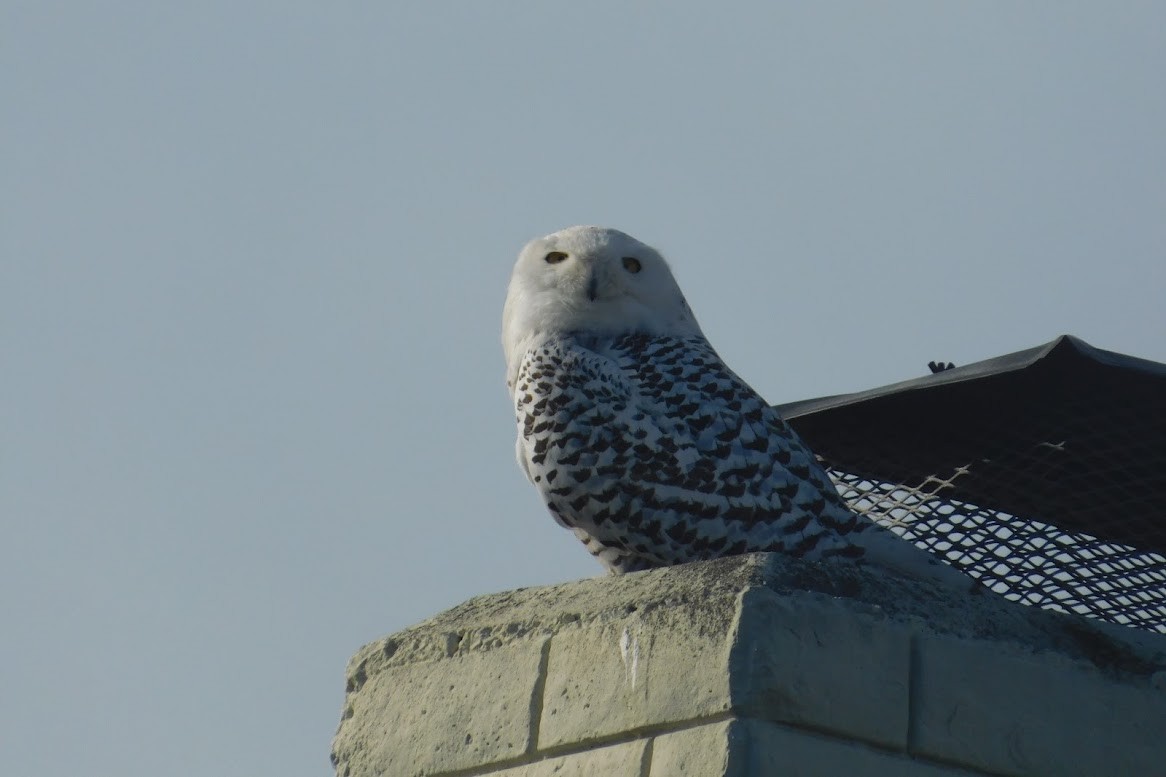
(653, 446)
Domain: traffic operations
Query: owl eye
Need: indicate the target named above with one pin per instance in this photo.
(631, 264)
(554, 257)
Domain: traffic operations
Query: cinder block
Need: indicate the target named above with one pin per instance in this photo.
(432, 717)
(646, 669)
(1004, 709)
(807, 659)
(823, 663)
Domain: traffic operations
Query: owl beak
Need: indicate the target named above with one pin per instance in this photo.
(593, 286)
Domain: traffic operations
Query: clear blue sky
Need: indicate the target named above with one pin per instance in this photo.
(252, 265)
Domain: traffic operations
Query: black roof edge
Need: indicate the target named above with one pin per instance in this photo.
(1065, 345)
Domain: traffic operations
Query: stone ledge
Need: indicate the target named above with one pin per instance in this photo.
(511, 680)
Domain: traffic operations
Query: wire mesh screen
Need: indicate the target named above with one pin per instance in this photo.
(1028, 561)
(1046, 483)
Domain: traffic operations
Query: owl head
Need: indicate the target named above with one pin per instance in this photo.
(593, 280)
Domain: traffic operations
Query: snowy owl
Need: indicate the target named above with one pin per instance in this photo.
(639, 438)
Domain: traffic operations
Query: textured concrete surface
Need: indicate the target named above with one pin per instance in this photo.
(753, 665)
(1006, 710)
(398, 719)
(836, 666)
(647, 669)
(698, 751)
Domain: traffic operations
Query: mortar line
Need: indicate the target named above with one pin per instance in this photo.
(536, 696)
(646, 760)
(914, 681)
(576, 748)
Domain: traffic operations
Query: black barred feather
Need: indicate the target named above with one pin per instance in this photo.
(655, 453)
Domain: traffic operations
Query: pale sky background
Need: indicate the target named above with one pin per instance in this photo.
(252, 265)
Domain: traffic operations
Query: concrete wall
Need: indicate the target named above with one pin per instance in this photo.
(756, 665)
